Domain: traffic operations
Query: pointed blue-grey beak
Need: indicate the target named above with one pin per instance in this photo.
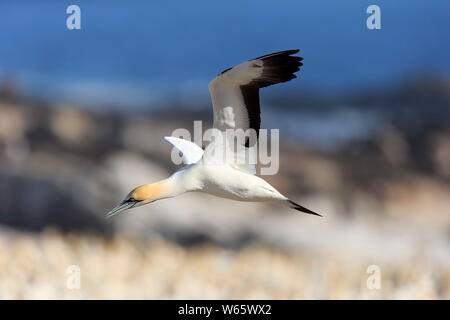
(124, 205)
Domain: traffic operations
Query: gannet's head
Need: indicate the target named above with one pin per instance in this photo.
(140, 196)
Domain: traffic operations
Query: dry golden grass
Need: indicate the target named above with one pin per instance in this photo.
(34, 267)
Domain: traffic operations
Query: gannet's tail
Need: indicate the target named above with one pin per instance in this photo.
(296, 206)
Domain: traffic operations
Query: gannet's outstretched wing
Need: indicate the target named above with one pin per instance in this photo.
(189, 151)
(235, 92)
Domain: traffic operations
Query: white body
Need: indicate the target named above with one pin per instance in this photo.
(225, 181)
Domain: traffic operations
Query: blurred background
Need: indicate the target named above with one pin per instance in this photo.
(365, 140)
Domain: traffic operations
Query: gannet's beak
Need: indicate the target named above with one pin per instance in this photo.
(120, 207)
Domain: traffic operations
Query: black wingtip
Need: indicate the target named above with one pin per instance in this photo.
(298, 207)
(279, 53)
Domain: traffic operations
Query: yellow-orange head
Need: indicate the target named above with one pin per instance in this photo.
(141, 195)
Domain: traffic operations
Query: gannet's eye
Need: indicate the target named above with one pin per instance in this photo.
(131, 200)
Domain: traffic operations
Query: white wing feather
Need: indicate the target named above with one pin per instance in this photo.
(228, 103)
(235, 92)
(189, 151)
(236, 106)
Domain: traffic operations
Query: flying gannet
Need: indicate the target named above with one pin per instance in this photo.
(217, 169)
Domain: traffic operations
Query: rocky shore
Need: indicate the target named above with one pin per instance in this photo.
(64, 167)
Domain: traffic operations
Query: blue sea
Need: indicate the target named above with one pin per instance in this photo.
(147, 53)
